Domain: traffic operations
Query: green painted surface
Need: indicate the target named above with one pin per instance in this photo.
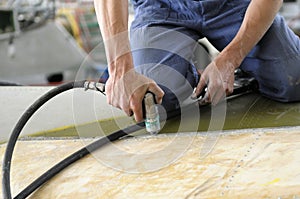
(248, 111)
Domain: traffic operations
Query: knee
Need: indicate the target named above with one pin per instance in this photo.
(286, 92)
(290, 92)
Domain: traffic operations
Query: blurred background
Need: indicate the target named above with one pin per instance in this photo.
(46, 42)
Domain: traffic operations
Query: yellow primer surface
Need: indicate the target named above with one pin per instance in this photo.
(253, 164)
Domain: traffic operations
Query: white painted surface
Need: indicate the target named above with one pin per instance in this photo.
(73, 107)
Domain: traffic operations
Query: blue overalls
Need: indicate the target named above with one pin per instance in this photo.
(164, 36)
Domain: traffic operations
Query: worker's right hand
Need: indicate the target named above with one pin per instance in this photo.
(127, 92)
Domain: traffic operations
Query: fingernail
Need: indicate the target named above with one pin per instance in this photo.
(194, 96)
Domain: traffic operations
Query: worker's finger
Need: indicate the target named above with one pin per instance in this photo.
(127, 111)
(202, 83)
(219, 96)
(206, 98)
(158, 92)
(113, 103)
(228, 88)
(136, 107)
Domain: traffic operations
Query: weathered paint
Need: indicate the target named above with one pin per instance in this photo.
(261, 163)
(248, 111)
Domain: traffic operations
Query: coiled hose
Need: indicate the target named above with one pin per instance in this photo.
(6, 188)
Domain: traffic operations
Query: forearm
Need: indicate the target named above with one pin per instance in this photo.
(219, 75)
(258, 18)
(112, 17)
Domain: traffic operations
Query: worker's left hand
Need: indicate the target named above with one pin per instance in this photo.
(219, 78)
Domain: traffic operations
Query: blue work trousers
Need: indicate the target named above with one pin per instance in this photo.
(164, 37)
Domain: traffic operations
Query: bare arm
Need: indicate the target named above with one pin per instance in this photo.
(258, 18)
(220, 73)
(125, 88)
(112, 17)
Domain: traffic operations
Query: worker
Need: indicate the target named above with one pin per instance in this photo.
(249, 34)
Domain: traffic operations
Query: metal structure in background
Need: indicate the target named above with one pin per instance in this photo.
(41, 38)
(290, 10)
(34, 47)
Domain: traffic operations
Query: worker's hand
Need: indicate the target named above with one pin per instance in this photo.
(219, 78)
(128, 91)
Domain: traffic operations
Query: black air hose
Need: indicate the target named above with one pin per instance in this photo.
(83, 151)
(76, 156)
(19, 126)
(6, 188)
